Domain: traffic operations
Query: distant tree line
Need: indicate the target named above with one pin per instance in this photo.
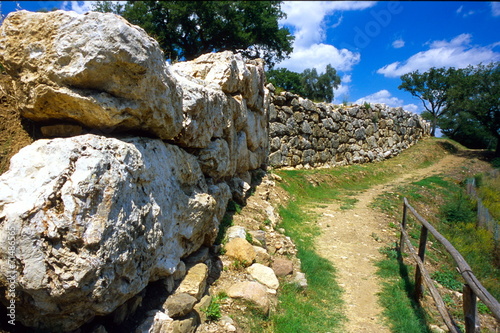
(464, 103)
(308, 84)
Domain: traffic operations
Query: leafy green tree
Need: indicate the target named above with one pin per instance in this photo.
(462, 127)
(188, 29)
(308, 84)
(475, 91)
(431, 88)
(286, 80)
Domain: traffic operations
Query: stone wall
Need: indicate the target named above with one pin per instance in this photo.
(138, 159)
(135, 168)
(307, 134)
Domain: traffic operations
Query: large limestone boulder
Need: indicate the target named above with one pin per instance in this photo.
(95, 70)
(94, 219)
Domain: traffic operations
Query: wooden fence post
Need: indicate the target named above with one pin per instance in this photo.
(472, 324)
(403, 226)
(419, 287)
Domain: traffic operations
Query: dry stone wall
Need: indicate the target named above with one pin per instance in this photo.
(139, 159)
(136, 168)
(307, 134)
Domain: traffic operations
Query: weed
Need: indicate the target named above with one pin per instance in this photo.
(402, 312)
(249, 238)
(212, 311)
(239, 265)
(482, 308)
(496, 162)
(459, 209)
(447, 279)
(448, 300)
(234, 207)
(348, 203)
(227, 221)
(367, 105)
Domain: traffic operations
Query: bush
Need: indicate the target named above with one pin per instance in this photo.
(459, 209)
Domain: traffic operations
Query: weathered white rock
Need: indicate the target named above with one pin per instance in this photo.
(264, 275)
(300, 279)
(156, 322)
(96, 69)
(225, 69)
(235, 231)
(95, 219)
(215, 159)
(251, 291)
(205, 111)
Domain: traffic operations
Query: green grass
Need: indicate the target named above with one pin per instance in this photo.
(402, 312)
(442, 201)
(323, 306)
(321, 301)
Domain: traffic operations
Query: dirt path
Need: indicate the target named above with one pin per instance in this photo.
(351, 240)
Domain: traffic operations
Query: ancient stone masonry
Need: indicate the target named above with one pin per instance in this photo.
(138, 164)
(307, 134)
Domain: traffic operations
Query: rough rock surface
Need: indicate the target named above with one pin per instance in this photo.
(251, 291)
(240, 249)
(306, 134)
(95, 219)
(264, 275)
(179, 305)
(195, 281)
(96, 70)
(282, 267)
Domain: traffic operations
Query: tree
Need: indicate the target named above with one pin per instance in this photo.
(475, 91)
(286, 80)
(308, 84)
(462, 127)
(188, 29)
(431, 88)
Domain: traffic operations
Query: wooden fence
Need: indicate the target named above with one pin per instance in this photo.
(472, 288)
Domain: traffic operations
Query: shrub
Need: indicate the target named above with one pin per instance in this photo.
(459, 209)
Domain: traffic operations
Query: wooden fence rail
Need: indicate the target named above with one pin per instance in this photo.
(472, 289)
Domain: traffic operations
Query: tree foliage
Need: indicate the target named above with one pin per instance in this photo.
(464, 102)
(431, 88)
(308, 84)
(287, 80)
(475, 91)
(188, 29)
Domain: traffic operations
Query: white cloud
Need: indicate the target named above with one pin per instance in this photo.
(385, 97)
(342, 92)
(80, 7)
(411, 107)
(460, 11)
(382, 97)
(307, 22)
(320, 55)
(307, 17)
(398, 43)
(456, 53)
(495, 8)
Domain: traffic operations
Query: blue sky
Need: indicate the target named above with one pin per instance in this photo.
(370, 43)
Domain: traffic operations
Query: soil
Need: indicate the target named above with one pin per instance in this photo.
(351, 240)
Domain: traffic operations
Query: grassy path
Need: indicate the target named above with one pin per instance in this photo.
(351, 239)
